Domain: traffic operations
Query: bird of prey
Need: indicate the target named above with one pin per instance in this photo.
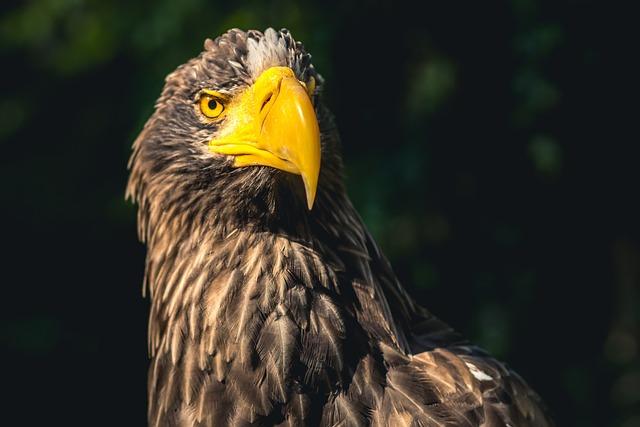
(270, 302)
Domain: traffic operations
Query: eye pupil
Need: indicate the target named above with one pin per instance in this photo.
(212, 104)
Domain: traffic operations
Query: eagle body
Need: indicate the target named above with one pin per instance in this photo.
(265, 312)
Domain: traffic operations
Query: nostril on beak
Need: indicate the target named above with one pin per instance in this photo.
(266, 101)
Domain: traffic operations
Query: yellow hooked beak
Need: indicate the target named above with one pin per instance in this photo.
(273, 123)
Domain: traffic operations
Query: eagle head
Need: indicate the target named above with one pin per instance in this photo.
(238, 130)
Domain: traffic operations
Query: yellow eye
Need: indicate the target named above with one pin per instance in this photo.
(211, 105)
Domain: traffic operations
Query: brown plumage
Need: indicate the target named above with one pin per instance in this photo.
(266, 313)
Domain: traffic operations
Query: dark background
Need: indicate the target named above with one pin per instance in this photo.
(488, 148)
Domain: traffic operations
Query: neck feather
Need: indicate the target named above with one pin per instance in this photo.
(220, 276)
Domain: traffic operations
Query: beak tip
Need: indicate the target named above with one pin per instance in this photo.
(310, 191)
(310, 199)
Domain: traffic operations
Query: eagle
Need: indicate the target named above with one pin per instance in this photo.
(271, 304)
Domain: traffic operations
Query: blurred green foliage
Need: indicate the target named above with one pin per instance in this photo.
(475, 142)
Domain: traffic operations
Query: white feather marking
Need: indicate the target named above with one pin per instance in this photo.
(480, 375)
(269, 51)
